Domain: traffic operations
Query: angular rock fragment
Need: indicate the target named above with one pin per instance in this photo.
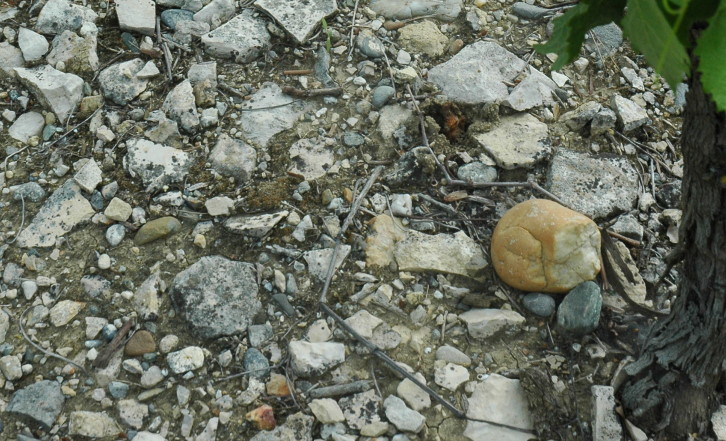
(308, 359)
(216, 296)
(233, 157)
(518, 141)
(120, 82)
(62, 15)
(243, 38)
(62, 211)
(77, 53)
(500, 400)
(539, 245)
(180, 106)
(267, 113)
(299, 19)
(446, 10)
(137, 15)
(484, 323)
(157, 165)
(39, 402)
(58, 91)
(254, 225)
(596, 186)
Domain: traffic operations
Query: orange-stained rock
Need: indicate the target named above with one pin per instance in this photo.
(277, 386)
(539, 245)
(263, 417)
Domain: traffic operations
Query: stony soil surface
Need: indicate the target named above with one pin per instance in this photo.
(184, 193)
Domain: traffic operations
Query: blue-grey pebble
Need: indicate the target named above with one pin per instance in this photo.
(370, 46)
(30, 191)
(115, 234)
(381, 95)
(539, 304)
(258, 335)
(39, 402)
(477, 173)
(530, 12)
(109, 190)
(109, 332)
(256, 363)
(284, 304)
(118, 390)
(48, 132)
(172, 17)
(353, 139)
(579, 312)
(97, 200)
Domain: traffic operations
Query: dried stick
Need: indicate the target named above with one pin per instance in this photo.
(38, 347)
(105, 355)
(340, 389)
(352, 27)
(298, 72)
(165, 49)
(346, 223)
(300, 93)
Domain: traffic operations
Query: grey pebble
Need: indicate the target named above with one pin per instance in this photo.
(30, 191)
(115, 234)
(381, 95)
(256, 363)
(539, 304)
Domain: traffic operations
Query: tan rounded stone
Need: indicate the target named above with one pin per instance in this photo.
(142, 342)
(539, 245)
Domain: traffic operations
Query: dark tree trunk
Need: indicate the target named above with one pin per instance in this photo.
(673, 382)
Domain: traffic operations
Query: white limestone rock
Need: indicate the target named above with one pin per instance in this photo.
(484, 323)
(500, 400)
(157, 165)
(518, 141)
(27, 125)
(63, 15)
(299, 19)
(310, 359)
(243, 38)
(58, 91)
(137, 15)
(33, 45)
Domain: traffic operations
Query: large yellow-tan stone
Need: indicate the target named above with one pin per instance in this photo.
(539, 245)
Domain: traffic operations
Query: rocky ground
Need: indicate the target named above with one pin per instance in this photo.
(178, 176)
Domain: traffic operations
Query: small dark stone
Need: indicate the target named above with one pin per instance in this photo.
(256, 363)
(353, 139)
(539, 304)
(284, 304)
(579, 312)
(97, 200)
(669, 195)
(381, 95)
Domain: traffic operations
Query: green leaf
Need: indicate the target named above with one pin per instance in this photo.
(570, 29)
(711, 52)
(650, 33)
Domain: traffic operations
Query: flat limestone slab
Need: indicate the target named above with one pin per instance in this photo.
(299, 18)
(63, 210)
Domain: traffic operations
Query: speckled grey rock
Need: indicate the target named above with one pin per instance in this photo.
(180, 106)
(630, 115)
(446, 10)
(157, 165)
(61, 15)
(10, 58)
(478, 73)
(579, 312)
(596, 186)
(539, 304)
(629, 226)
(171, 17)
(519, 141)
(604, 40)
(40, 403)
(30, 192)
(57, 91)
(381, 95)
(256, 363)
(62, 211)
(299, 19)
(404, 418)
(369, 45)
(243, 38)
(233, 157)
(78, 53)
(120, 82)
(277, 112)
(216, 12)
(477, 173)
(216, 296)
(310, 359)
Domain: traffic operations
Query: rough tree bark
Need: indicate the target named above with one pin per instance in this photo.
(672, 385)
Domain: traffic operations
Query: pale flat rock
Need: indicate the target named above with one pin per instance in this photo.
(363, 322)
(630, 115)
(444, 253)
(484, 323)
(92, 424)
(312, 157)
(10, 58)
(243, 38)
(534, 91)
(446, 10)
(401, 416)
(121, 83)
(299, 19)
(78, 53)
(58, 91)
(478, 73)
(718, 419)
(451, 376)
(309, 359)
(233, 157)
(137, 15)
(62, 211)
(64, 311)
(414, 396)
(216, 12)
(634, 287)
(499, 400)
(319, 260)
(361, 409)
(219, 206)
(423, 37)
(276, 112)
(27, 125)
(596, 186)
(188, 359)
(180, 106)
(89, 176)
(605, 422)
(326, 410)
(157, 165)
(518, 141)
(255, 225)
(385, 232)
(63, 15)
(33, 45)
